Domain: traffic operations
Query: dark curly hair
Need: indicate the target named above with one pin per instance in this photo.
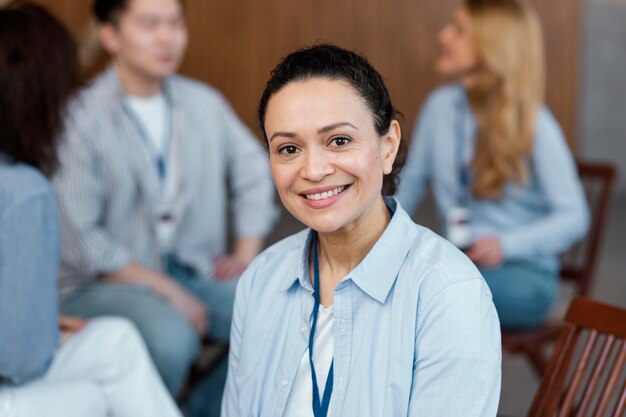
(335, 63)
(39, 71)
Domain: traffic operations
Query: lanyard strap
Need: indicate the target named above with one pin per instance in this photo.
(464, 194)
(160, 157)
(320, 408)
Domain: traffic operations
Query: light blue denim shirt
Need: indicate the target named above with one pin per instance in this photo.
(415, 332)
(29, 262)
(535, 221)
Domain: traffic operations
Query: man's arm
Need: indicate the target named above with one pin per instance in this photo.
(254, 209)
(167, 288)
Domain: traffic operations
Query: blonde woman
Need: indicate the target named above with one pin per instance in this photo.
(501, 173)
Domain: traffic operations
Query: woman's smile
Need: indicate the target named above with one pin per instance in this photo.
(327, 159)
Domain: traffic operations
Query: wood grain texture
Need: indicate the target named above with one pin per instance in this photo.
(235, 44)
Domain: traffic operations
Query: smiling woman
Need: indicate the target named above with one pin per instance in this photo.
(350, 314)
(327, 158)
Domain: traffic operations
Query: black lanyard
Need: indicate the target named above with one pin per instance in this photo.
(320, 408)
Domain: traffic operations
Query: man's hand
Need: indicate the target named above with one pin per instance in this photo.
(231, 266)
(486, 251)
(167, 288)
(227, 267)
(71, 324)
(190, 307)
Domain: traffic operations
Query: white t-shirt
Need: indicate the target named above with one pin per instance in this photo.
(299, 403)
(152, 114)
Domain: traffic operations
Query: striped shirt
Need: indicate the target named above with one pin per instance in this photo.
(108, 185)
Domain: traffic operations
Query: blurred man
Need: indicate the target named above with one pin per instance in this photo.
(148, 162)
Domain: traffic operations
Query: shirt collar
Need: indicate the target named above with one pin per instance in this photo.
(298, 260)
(377, 272)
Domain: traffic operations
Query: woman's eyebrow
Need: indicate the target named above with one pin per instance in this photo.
(283, 134)
(335, 126)
(324, 129)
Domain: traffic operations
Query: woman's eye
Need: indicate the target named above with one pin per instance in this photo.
(339, 141)
(288, 150)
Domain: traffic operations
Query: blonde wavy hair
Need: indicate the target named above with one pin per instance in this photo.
(507, 92)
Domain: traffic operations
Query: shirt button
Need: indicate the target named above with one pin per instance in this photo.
(284, 383)
(303, 329)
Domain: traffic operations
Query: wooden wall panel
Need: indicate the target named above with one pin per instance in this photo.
(234, 44)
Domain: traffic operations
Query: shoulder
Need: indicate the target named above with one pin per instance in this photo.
(444, 97)
(277, 266)
(20, 183)
(94, 103)
(439, 108)
(549, 137)
(194, 92)
(546, 124)
(438, 267)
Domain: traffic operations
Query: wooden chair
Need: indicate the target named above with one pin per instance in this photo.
(578, 264)
(587, 365)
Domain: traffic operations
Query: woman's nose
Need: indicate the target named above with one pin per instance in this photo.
(317, 165)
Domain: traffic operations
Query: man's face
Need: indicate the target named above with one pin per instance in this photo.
(149, 39)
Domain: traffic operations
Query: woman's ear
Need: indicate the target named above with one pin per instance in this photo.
(390, 144)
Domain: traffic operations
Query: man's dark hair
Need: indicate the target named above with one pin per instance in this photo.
(39, 71)
(109, 11)
(335, 63)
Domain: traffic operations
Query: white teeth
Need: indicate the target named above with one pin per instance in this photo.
(325, 194)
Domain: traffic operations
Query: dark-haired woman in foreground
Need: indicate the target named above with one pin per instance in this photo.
(99, 368)
(364, 313)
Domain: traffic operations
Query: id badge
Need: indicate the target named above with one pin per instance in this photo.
(165, 230)
(459, 227)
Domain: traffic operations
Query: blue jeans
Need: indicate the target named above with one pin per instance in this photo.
(171, 340)
(522, 293)
(205, 399)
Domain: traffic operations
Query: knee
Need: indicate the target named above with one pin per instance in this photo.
(173, 347)
(118, 331)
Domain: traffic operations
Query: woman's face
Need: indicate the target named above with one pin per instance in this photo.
(326, 157)
(458, 56)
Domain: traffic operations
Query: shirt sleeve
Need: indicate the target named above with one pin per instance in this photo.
(457, 354)
(415, 173)
(86, 245)
(567, 216)
(29, 260)
(253, 205)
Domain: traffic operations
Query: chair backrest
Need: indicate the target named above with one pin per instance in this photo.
(587, 365)
(578, 263)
